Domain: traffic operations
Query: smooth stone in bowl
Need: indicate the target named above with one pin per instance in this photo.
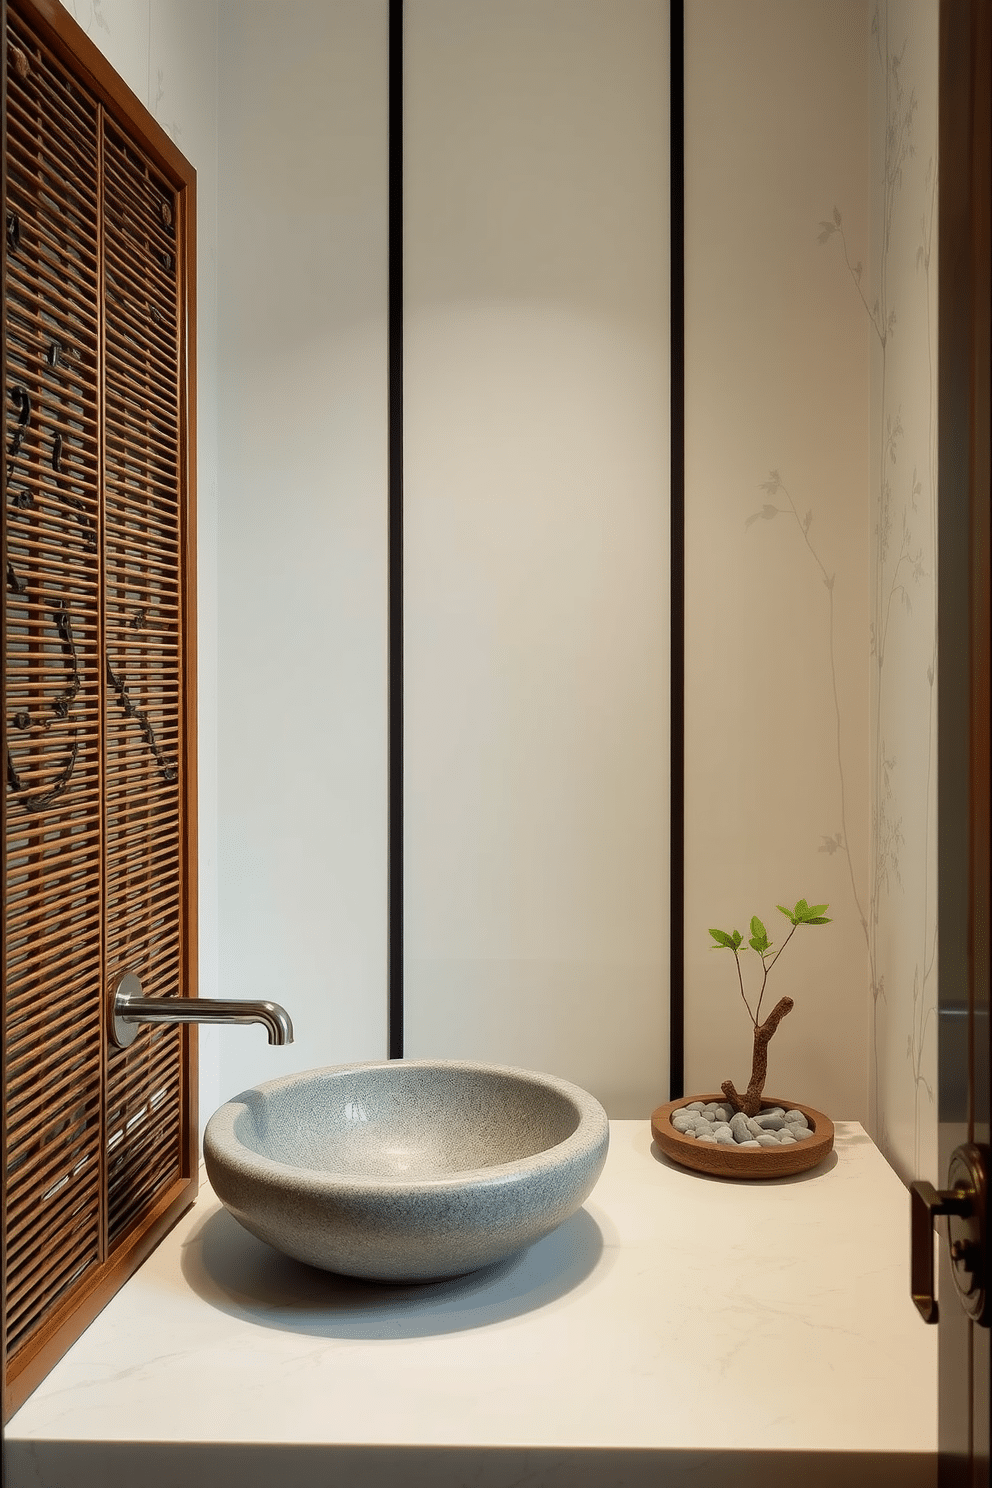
(407, 1170)
(748, 1159)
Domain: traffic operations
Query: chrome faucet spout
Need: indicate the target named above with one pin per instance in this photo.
(129, 1009)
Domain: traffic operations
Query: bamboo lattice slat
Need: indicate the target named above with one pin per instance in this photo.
(52, 698)
(142, 562)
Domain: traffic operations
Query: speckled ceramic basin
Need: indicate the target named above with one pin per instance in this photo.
(410, 1170)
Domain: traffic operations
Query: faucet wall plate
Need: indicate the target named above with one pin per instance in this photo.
(122, 1033)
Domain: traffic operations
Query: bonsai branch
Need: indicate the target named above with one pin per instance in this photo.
(740, 978)
(732, 940)
(750, 1102)
(766, 967)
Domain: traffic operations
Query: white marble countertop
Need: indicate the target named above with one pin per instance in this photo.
(673, 1324)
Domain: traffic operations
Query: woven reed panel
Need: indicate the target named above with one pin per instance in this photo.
(142, 618)
(53, 692)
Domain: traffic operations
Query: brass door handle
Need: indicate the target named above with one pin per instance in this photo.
(965, 1203)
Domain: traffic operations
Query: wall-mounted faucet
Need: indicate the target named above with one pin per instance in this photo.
(128, 1009)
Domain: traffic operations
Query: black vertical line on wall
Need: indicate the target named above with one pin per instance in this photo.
(676, 1076)
(3, 736)
(394, 396)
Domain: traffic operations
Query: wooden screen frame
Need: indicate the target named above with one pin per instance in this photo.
(69, 43)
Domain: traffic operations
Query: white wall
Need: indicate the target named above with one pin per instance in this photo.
(302, 528)
(537, 585)
(166, 51)
(537, 305)
(537, 538)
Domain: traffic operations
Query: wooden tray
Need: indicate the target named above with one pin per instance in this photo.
(743, 1162)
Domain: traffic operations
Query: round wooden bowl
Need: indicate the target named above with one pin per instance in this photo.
(743, 1162)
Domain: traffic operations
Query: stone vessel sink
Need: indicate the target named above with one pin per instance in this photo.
(409, 1170)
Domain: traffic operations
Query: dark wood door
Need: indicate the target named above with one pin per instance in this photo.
(965, 838)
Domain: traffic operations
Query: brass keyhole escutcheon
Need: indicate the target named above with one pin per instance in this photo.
(964, 1203)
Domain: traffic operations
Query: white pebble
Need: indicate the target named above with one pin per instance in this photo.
(774, 1111)
(695, 1106)
(786, 1139)
(740, 1128)
(681, 1121)
(704, 1137)
(751, 1142)
(725, 1136)
(797, 1117)
(769, 1122)
(724, 1112)
(767, 1139)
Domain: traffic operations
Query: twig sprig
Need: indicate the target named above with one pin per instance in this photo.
(732, 940)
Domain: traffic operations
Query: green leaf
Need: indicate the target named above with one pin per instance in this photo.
(759, 937)
(818, 920)
(723, 940)
(805, 914)
(788, 913)
(738, 937)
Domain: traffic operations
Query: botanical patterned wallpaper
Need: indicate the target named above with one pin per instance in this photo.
(777, 533)
(899, 300)
(811, 601)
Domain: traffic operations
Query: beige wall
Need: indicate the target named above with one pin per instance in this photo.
(777, 533)
(537, 538)
(903, 286)
(811, 301)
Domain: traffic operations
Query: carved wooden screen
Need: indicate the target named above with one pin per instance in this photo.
(98, 1144)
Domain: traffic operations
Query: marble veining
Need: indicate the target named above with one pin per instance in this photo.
(620, 1349)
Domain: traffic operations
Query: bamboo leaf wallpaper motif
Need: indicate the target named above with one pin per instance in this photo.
(903, 920)
(837, 841)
